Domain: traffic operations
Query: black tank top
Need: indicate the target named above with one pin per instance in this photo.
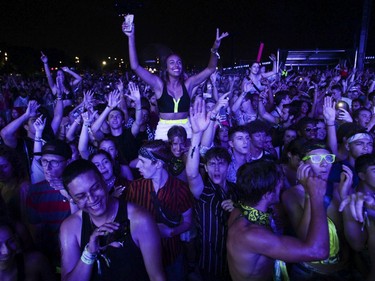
(126, 263)
(166, 103)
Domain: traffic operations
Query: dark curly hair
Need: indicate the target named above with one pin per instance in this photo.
(257, 178)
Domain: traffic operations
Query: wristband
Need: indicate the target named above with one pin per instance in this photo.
(138, 109)
(110, 107)
(36, 139)
(87, 257)
(329, 125)
(214, 51)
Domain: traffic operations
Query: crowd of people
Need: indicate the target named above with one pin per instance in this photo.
(207, 175)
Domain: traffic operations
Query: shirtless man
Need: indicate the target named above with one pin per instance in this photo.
(252, 244)
(317, 161)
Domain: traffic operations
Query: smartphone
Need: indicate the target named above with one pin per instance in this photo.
(129, 23)
(343, 105)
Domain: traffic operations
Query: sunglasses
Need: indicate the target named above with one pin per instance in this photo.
(318, 158)
(311, 129)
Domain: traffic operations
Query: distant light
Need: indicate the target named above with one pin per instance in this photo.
(115, 58)
(60, 62)
(104, 62)
(109, 58)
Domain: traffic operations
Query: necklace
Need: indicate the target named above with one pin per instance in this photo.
(255, 216)
(111, 183)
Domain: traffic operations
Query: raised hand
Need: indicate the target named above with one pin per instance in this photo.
(219, 37)
(346, 181)
(65, 68)
(329, 111)
(198, 118)
(125, 29)
(303, 173)
(135, 95)
(223, 101)
(39, 124)
(344, 115)
(32, 108)
(44, 58)
(272, 57)
(88, 100)
(113, 99)
(316, 187)
(120, 86)
(213, 77)
(88, 117)
(356, 202)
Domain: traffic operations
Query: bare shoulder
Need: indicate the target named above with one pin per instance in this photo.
(246, 234)
(295, 193)
(138, 215)
(73, 223)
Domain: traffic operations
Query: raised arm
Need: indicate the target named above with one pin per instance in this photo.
(262, 110)
(76, 77)
(195, 80)
(123, 105)
(316, 244)
(84, 138)
(329, 114)
(215, 92)
(354, 233)
(44, 59)
(154, 81)
(209, 133)
(58, 113)
(39, 126)
(199, 122)
(8, 133)
(136, 97)
(113, 101)
(237, 104)
(274, 67)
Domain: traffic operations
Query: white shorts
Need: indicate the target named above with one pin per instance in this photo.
(164, 125)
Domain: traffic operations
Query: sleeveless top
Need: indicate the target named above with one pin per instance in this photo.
(167, 104)
(116, 264)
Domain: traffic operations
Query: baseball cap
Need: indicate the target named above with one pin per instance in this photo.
(57, 147)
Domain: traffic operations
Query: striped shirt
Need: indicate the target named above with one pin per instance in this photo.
(174, 196)
(47, 208)
(212, 228)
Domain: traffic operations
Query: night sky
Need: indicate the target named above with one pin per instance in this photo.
(93, 28)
